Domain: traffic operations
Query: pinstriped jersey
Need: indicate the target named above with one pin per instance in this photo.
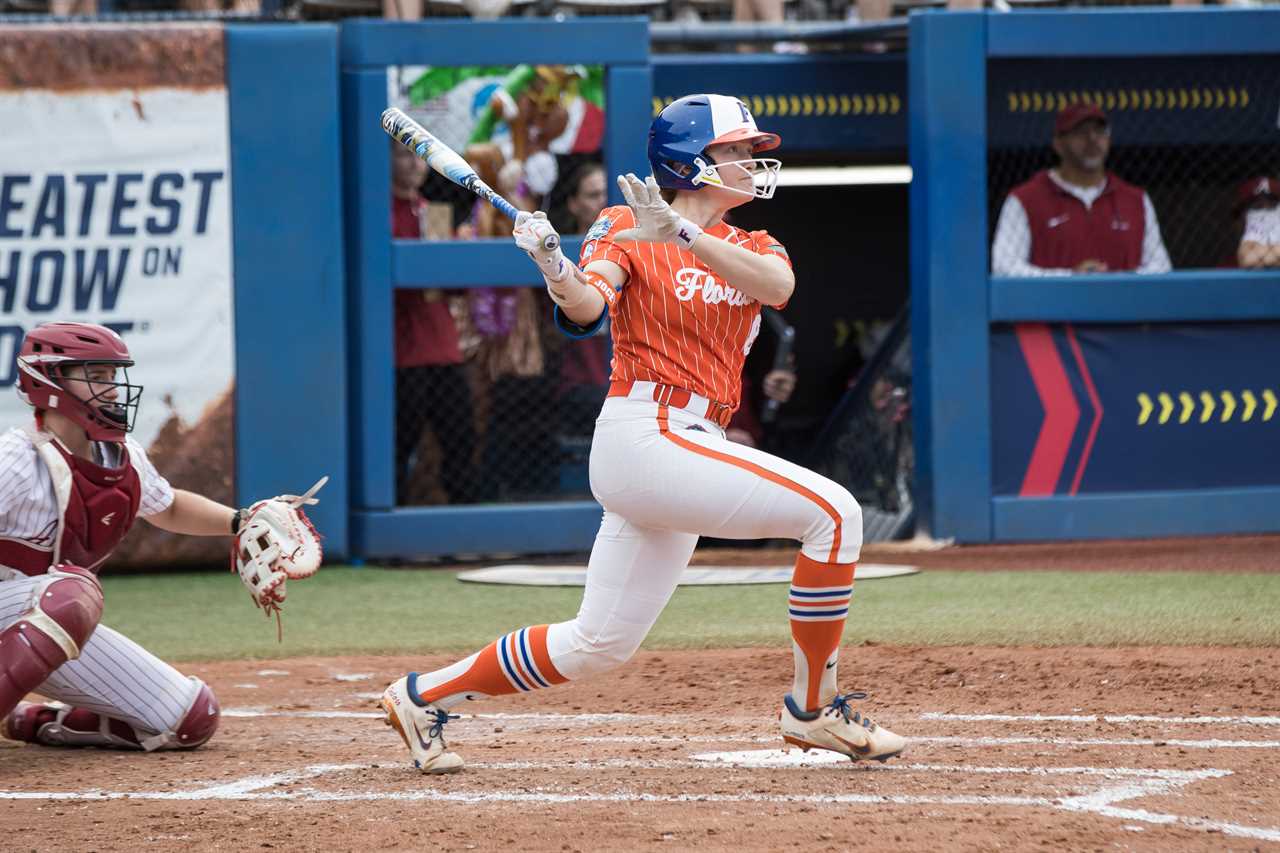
(29, 512)
(675, 321)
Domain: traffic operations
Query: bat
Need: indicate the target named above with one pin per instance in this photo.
(446, 161)
(781, 360)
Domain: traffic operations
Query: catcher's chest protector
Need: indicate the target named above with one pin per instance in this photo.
(96, 507)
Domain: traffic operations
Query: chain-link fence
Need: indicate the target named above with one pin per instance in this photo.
(1127, 164)
(492, 402)
(867, 443)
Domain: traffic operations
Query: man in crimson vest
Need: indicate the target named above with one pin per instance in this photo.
(1258, 201)
(1078, 217)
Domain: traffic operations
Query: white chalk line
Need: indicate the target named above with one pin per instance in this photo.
(587, 719)
(952, 740)
(549, 719)
(1140, 783)
(1098, 718)
(930, 716)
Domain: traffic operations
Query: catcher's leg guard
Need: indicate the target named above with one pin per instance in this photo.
(59, 725)
(64, 611)
(200, 722)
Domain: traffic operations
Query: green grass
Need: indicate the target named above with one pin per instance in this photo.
(208, 616)
(369, 610)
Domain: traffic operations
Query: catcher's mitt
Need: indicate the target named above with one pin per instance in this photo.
(276, 542)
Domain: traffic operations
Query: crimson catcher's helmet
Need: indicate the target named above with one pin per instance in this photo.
(106, 410)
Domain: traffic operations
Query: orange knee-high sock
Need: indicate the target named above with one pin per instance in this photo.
(820, 594)
(513, 663)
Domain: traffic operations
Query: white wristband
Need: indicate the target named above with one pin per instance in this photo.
(686, 233)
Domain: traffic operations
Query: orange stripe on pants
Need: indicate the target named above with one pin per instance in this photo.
(759, 471)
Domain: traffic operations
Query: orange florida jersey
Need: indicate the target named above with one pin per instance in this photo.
(675, 321)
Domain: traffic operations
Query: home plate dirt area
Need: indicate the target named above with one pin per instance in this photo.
(1135, 748)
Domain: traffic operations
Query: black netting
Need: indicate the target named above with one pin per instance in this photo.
(505, 408)
(1192, 132)
(867, 443)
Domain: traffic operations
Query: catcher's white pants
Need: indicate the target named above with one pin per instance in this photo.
(113, 676)
(664, 484)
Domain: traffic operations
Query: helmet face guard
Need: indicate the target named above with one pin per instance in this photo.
(682, 132)
(106, 410)
(763, 170)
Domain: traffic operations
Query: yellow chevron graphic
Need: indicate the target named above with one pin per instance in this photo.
(1166, 406)
(757, 104)
(820, 105)
(657, 106)
(1110, 103)
(1231, 98)
(1122, 100)
(1228, 405)
(806, 105)
(1188, 406)
(1182, 99)
(795, 105)
(1146, 99)
(1159, 99)
(1269, 397)
(846, 106)
(895, 103)
(1207, 400)
(769, 105)
(1244, 98)
(1250, 403)
(1036, 101)
(1144, 408)
(1195, 99)
(857, 104)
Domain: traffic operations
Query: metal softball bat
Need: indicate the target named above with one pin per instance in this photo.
(446, 161)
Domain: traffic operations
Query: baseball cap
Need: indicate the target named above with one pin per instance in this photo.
(1254, 188)
(1073, 114)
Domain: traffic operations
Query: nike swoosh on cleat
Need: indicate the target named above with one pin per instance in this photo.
(861, 750)
(832, 664)
(418, 734)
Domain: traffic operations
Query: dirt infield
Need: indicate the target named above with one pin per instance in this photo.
(1081, 749)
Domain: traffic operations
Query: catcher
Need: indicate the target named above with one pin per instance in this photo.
(71, 485)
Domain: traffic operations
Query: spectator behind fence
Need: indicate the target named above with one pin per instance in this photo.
(518, 458)
(585, 194)
(1258, 200)
(430, 382)
(1078, 217)
(584, 363)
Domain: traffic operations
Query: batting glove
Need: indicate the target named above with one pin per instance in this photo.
(656, 222)
(534, 234)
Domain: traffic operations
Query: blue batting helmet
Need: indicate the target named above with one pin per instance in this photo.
(679, 136)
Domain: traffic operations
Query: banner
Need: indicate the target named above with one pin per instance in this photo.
(1098, 408)
(115, 197)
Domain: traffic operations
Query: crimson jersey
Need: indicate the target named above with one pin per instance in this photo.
(675, 322)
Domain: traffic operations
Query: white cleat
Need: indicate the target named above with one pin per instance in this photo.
(839, 728)
(421, 726)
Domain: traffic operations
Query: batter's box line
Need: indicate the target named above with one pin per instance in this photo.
(946, 740)
(1098, 718)
(1102, 802)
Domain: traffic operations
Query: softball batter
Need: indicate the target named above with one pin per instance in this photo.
(683, 289)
